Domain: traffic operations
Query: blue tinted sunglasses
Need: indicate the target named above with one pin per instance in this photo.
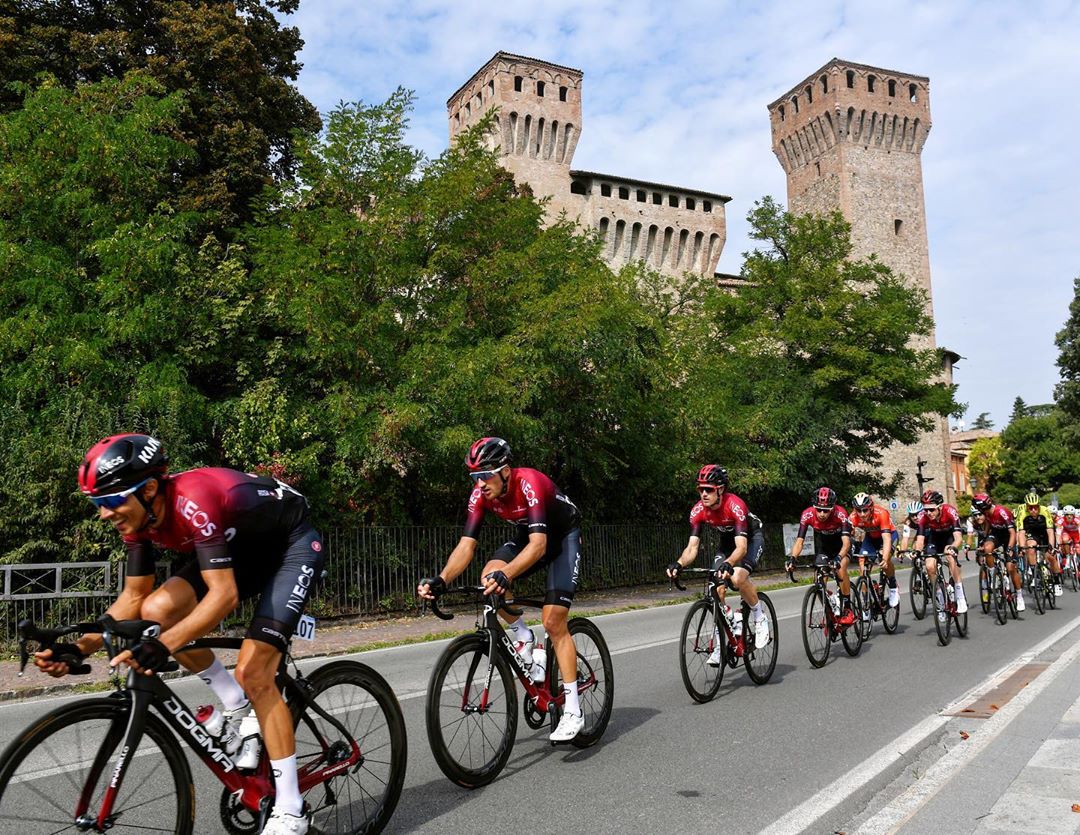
(114, 500)
(484, 475)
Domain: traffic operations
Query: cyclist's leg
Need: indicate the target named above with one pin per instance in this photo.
(740, 577)
(842, 575)
(563, 573)
(173, 601)
(503, 555)
(280, 606)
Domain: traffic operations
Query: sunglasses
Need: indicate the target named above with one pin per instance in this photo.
(484, 475)
(931, 509)
(823, 509)
(114, 500)
(706, 491)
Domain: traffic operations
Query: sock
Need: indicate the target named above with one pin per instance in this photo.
(220, 680)
(522, 632)
(756, 609)
(287, 789)
(891, 582)
(959, 589)
(572, 704)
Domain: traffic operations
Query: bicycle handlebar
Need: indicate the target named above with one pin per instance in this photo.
(70, 654)
(477, 591)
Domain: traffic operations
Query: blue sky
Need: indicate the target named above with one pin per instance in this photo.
(676, 93)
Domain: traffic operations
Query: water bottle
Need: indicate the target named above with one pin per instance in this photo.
(734, 620)
(248, 755)
(834, 601)
(538, 671)
(212, 719)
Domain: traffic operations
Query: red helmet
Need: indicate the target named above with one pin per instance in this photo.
(488, 454)
(933, 497)
(120, 462)
(981, 501)
(825, 498)
(712, 474)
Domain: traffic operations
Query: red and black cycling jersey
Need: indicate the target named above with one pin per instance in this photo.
(730, 516)
(1001, 517)
(945, 522)
(836, 523)
(1072, 528)
(229, 519)
(531, 501)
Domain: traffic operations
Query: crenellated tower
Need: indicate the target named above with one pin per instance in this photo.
(850, 137)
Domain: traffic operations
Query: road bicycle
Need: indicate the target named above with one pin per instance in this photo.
(1038, 579)
(823, 623)
(111, 762)
(1069, 573)
(471, 699)
(1002, 593)
(710, 625)
(874, 598)
(946, 615)
(918, 583)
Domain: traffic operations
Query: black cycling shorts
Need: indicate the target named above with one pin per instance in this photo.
(830, 544)
(937, 545)
(753, 552)
(562, 560)
(283, 586)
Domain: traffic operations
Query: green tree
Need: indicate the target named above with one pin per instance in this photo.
(1067, 392)
(232, 60)
(983, 421)
(984, 463)
(1019, 409)
(1036, 454)
(806, 374)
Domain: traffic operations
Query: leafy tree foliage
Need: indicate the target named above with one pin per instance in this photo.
(983, 421)
(1067, 393)
(1019, 409)
(1035, 454)
(808, 372)
(232, 60)
(984, 463)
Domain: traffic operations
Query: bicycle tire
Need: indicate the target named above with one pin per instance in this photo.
(984, 589)
(919, 592)
(998, 595)
(760, 662)
(593, 663)
(1048, 587)
(863, 593)
(943, 625)
(960, 619)
(696, 643)
(468, 687)
(31, 747)
(852, 636)
(890, 618)
(361, 700)
(1071, 573)
(1037, 590)
(816, 620)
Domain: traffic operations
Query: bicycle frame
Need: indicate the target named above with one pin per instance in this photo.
(716, 594)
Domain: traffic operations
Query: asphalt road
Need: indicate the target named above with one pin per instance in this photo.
(667, 764)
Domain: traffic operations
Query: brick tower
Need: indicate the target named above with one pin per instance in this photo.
(850, 137)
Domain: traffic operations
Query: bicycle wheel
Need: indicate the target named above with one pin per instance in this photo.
(816, 626)
(1070, 574)
(361, 799)
(761, 661)
(1048, 586)
(700, 636)
(890, 618)
(998, 594)
(471, 728)
(942, 621)
(1037, 590)
(69, 755)
(596, 680)
(919, 591)
(984, 589)
(863, 593)
(852, 637)
(960, 620)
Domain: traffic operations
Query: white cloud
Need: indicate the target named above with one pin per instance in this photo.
(677, 93)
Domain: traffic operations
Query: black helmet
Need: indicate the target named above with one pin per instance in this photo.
(121, 462)
(933, 497)
(712, 474)
(824, 498)
(488, 454)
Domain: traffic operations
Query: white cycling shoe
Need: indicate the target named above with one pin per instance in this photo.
(1058, 590)
(761, 631)
(715, 657)
(1020, 601)
(894, 598)
(569, 726)
(961, 605)
(282, 823)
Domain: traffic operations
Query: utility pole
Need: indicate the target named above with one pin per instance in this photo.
(923, 480)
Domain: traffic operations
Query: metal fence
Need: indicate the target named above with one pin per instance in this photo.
(370, 571)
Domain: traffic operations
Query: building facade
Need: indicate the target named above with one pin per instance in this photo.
(537, 127)
(850, 137)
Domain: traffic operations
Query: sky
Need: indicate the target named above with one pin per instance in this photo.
(677, 93)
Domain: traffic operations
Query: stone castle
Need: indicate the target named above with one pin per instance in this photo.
(849, 137)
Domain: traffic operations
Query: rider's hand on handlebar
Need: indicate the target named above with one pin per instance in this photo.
(673, 569)
(43, 661)
(148, 656)
(430, 588)
(497, 582)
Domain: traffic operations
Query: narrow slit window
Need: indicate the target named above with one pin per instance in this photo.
(518, 80)
(897, 226)
(562, 94)
(540, 89)
(851, 78)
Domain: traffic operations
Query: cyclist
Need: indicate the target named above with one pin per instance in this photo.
(941, 524)
(250, 535)
(879, 538)
(548, 538)
(832, 532)
(1000, 531)
(911, 525)
(1069, 529)
(1035, 526)
(741, 542)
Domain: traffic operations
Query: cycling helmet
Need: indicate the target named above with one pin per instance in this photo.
(982, 502)
(1032, 498)
(824, 498)
(120, 462)
(488, 454)
(862, 501)
(914, 508)
(1068, 510)
(975, 512)
(712, 474)
(932, 497)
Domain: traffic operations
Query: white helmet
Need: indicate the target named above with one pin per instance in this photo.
(914, 507)
(1068, 510)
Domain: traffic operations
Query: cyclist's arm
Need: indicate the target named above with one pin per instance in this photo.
(221, 598)
(127, 606)
(796, 547)
(689, 553)
(736, 556)
(845, 547)
(459, 560)
(530, 554)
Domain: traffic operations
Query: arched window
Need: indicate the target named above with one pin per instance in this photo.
(577, 187)
(562, 94)
(851, 78)
(809, 94)
(491, 87)
(690, 203)
(892, 87)
(780, 110)
(795, 103)
(624, 193)
(824, 84)
(640, 196)
(517, 83)
(870, 83)
(706, 206)
(673, 200)
(540, 88)
(912, 93)
(468, 109)
(605, 190)
(657, 198)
